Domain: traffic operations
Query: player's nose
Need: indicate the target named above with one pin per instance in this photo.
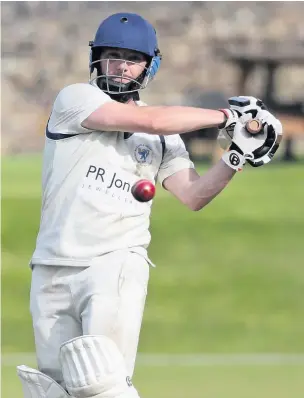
(123, 66)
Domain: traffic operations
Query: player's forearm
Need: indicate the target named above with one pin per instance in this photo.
(165, 120)
(210, 184)
(169, 120)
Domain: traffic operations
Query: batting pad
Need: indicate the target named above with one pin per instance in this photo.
(38, 385)
(92, 366)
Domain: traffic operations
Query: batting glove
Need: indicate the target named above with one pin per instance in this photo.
(241, 105)
(257, 149)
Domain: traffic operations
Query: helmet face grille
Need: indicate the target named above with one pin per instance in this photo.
(120, 83)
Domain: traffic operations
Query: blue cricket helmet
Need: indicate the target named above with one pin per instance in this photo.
(127, 31)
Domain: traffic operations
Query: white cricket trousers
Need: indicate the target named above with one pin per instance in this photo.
(107, 298)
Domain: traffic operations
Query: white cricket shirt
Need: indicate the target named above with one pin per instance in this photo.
(87, 206)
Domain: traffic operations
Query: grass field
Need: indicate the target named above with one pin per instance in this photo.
(234, 381)
(229, 279)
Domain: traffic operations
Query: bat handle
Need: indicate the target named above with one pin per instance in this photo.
(254, 126)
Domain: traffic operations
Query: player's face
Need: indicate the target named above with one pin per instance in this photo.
(121, 62)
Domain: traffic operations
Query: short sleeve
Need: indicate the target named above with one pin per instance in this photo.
(176, 158)
(73, 105)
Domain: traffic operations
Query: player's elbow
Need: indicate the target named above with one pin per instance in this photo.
(196, 208)
(192, 204)
(197, 204)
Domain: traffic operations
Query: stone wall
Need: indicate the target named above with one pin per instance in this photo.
(45, 47)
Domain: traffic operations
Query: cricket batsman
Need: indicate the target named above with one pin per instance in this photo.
(90, 267)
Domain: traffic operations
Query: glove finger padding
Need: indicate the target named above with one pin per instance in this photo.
(266, 152)
(258, 149)
(246, 104)
(239, 106)
(248, 143)
(274, 130)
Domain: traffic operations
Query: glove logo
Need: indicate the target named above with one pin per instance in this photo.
(234, 159)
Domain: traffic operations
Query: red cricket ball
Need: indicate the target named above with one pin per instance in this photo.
(143, 190)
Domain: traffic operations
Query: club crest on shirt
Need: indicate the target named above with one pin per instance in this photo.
(143, 154)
